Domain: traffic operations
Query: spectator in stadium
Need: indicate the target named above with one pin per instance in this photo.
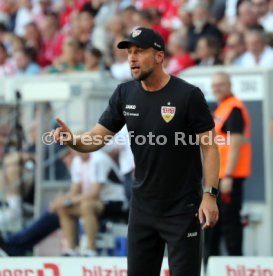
(201, 27)
(246, 18)
(93, 59)
(20, 243)
(85, 26)
(6, 66)
(258, 53)
(150, 18)
(23, 17)
(185, 15)
(120, 68)
(116, 27)
(92, 6)
(96, 192)
(130, 15)
(10, 8)
(42, 8)
(231, 118)
(25, 61)
(17, 183)
(17, 43)
(3, 32)
(33, 37)
(52, 39)
(180, 57)
(264, 15)
(235, 48)
(217, 10)
(116, 30)
(66, 12)
(12, 43)
(71, 59)
(208, 51)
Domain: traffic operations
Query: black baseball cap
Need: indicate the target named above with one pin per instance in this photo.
(144, 38)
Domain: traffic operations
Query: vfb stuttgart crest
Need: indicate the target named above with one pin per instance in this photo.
(167, 113)
(136, 33)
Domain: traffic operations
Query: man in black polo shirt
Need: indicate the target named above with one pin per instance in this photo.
(165, 116)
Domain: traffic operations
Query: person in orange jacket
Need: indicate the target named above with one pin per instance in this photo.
(232, 122)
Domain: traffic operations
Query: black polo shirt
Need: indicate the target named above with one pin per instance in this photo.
(168, 171)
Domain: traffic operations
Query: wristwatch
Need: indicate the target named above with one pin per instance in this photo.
(211, 190)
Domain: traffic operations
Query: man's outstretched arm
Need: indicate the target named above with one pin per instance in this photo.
(86, 142)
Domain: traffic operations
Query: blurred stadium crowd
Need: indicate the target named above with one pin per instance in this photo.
(60, 36)
(65, 36)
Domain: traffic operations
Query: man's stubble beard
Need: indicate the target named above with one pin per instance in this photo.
(143, 75)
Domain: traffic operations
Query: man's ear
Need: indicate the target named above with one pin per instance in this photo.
(159, 57)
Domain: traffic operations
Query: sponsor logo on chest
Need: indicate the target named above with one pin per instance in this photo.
(130, 106)
(130, 111)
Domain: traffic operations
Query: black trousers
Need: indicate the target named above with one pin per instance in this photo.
(229, 226)
(147, 236)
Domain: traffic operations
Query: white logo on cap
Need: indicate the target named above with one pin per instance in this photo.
(157, 45)
(136, 33)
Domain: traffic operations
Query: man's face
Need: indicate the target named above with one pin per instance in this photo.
(260, 7)
(142, 62)
(246, 14)
(221, 87)
(254, 44)
(21, 60)
(200, 16)
(235, 45)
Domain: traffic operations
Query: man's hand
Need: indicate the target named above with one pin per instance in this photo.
(208, 211)
(62, 134)
(56, 204)
(226, 185)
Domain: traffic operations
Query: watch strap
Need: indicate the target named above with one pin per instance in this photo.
(211, 190)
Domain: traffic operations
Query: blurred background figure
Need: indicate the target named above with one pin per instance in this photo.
(235, 48)
(120, 68)
(23, 17)
(264, 15)
(208, 51)
(52, 39)
(40, 10)
(231, 119)
(178, 50)
(93, 61)
(258, 53)
(7, 68)
(97, 192)
(25, 61)
(21, 243)
(185, 16)
(33, 39)
(85, 26)
(246, 17)
(130, 15)
(202, 27)
(71, 58)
